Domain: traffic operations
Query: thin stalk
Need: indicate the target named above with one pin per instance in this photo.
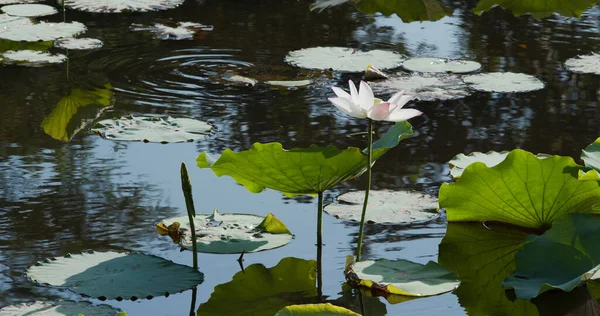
(366, 201)
(186, 186)
(193, 307)
(320, 248)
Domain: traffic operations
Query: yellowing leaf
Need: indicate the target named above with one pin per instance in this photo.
(273, 225)
(171, 230)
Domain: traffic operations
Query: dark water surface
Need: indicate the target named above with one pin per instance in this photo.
(90, 193)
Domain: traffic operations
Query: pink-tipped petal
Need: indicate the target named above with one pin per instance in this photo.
(365, 96)
(396, 97)
(353, 91)
(379, 111)
(341, 93)
(347, 107)
(400, 115)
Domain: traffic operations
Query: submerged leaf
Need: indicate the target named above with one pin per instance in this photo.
(263, 291)
(299, 171)
(326, 309)
(537, 8)
(342, 59)
(59, 308)
(562, 258)
(113, 275)
(522, 190)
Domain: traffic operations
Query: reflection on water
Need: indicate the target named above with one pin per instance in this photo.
(89, 193)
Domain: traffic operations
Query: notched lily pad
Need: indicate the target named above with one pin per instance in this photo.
(152, 129)
(29, 10)
(110, 275)
(503, 82)
(401, 276)
(389, 207)
(424, 87)
(117, 6)
(444, 65)
(31, 58)
(59, 308)
(230, 233)
(173, 31)
(342, 59)
(490, 159)
(78, 43)
(44, 31)
(326, 309)
(584, 64)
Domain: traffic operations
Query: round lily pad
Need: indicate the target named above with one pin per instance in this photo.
(289, 83)
(60, 308)
(152, 129)
(586, 64)
(441, 65)
(385, 206)
(28, 10)
(42, 31)
(31, 58)
(179, 31)
(343, 59)
(117, 6)
(110, 275)
(401, 277)
(8, 21)
(78, 43)
(424, 88)
(503, 82)
(231, 233)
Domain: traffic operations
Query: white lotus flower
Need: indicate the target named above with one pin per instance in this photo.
(363, 104)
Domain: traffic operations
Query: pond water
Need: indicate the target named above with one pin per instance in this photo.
(90, 193)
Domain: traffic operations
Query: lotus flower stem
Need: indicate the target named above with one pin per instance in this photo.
(320, 247)
(186, 186)
(366, 201)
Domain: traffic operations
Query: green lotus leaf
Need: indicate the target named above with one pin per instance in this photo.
(109, 275)
(299, 171)
(407, 10)
(401, 276)
(522, 190)
(482, 257)
(591, 155)
(68, 117)
(60, 308)
(326, 309)
(385, 206)
(562, 258)
(232, 233)
(263, 291)
(537, 8)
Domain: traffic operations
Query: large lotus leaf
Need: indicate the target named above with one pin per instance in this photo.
(342, 59)
(585, 64)
(326, 309)
(260, 291)
(482, 257)
(299, 171)
(232, 233)
(60, 123)
(42, 31)
(385, 206)
(490, 159)
(503, 82)
(443, 65)
(591, 155)
(562, 258)
(28, 10)
(110, 275)
(522, 190)
(60, 308)
(401, 276)
(407, 10)
(537, 8)
(152, 129)
(118, 6)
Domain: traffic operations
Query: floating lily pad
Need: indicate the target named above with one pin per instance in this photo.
(60, 308)
(231, 233)
(78, 43)
(261, 291)
(6, 45)
(490, 159)
(9, 21)
(42, 31)
(326, 309)
(179, 31)
(342, 59)
(117, 6)
(385, 206)
(113, 275)
(401, 276)
(152, 129)
(584, 64)
(28, 10)
(289, 83)
(424, 88)
(441, 65)
(562, 258)
(2, 2)
(31, 58)
(503, 82)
